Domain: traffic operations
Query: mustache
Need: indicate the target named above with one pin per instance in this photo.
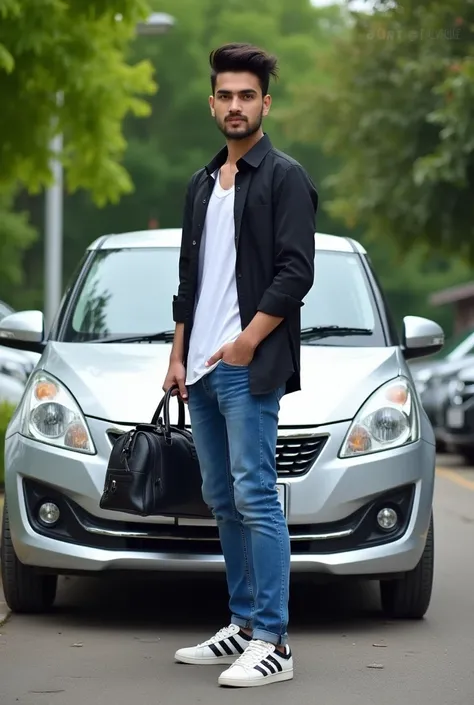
(235, 117)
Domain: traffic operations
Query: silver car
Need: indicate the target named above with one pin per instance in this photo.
(355, 454)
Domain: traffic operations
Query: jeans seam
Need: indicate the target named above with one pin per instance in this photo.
(241, 527)
(260, 433)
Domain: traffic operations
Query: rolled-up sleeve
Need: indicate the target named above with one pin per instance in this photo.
(296, 202)
(181, 297)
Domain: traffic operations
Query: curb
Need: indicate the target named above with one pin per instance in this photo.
(4, 614)
(4, 611)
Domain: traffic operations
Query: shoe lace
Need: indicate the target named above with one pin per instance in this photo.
(255, 652)
(221, 634)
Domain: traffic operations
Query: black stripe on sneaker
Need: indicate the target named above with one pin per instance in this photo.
(259, 668)
(215, 650)
(245, 636)
(226, 648)
(286, 655)
(275, 662)
(236, 645)
(268, 665)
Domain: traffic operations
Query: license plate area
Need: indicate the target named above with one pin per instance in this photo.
(282, 490)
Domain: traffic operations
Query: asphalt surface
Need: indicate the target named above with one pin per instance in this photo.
(112, 641)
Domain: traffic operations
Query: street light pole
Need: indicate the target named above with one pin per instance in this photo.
(53, 253)
(156, 24)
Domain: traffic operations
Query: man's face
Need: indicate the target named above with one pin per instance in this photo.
(238, 105)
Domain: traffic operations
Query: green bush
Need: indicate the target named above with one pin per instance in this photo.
(6, 412)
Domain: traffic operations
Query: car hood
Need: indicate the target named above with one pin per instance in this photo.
(122, 383)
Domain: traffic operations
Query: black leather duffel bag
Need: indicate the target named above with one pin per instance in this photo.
(153, 470)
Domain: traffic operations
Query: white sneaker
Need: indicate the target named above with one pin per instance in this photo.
(224, 647)
(260, 664)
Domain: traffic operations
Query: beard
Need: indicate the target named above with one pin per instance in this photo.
(239, 133)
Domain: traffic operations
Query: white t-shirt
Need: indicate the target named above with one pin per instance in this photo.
(216, 314)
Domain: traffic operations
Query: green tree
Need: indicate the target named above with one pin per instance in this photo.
(77, 51)
(180, 136)
(408, 278)
(397, 112)
(16, 236)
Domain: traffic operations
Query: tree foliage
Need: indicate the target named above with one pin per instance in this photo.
(341, 87)
(180, 136)
(397, 111)
(63, 68)
(16, 236)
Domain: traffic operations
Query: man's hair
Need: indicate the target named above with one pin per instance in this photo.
(243, 57)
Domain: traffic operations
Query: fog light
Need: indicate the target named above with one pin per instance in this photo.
(49, 513)
(387, 518)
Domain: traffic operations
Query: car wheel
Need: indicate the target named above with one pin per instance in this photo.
(409, 597)
(24, 588)
(468, 455)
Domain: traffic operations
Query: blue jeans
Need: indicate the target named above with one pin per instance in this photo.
(235, 435)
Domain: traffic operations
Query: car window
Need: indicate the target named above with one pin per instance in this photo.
(129, 292)
(461, 348)
(340, 294)
(126, 292)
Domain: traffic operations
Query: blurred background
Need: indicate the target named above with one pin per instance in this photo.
(375, 99)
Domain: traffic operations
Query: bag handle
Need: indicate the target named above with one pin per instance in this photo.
(164, 404)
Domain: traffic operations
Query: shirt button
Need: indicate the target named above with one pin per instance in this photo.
(194, 242)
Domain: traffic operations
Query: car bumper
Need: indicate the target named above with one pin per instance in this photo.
(459, 425)
(327, 510)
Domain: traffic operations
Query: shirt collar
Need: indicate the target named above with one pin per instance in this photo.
(253, 157)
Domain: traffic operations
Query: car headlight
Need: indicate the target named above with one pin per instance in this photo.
(388, 419)
(50, 414)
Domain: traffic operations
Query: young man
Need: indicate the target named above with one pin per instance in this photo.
(246, 263)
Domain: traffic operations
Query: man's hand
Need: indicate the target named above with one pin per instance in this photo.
(242, 350)
(239, 353)
(176, 375)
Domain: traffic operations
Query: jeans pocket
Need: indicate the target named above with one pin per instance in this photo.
(234, 367)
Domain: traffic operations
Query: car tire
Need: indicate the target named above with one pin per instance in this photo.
(468, 455)
(409, 596)
(25, 589)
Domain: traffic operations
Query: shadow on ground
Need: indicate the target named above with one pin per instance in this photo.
(181, 603)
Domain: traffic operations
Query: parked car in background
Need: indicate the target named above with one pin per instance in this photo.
(355, 454)
(15, 366)
(433, 376)
(458, 427)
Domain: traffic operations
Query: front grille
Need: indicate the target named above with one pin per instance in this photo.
(294, 456)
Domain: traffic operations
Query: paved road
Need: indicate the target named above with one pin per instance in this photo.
(127, 633)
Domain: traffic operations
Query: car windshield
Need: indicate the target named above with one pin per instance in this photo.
(127, 294)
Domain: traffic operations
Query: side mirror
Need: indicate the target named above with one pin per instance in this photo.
(23, 330)
(421, 337)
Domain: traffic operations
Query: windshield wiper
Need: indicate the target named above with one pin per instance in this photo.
(165, 336)
(316, 332)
